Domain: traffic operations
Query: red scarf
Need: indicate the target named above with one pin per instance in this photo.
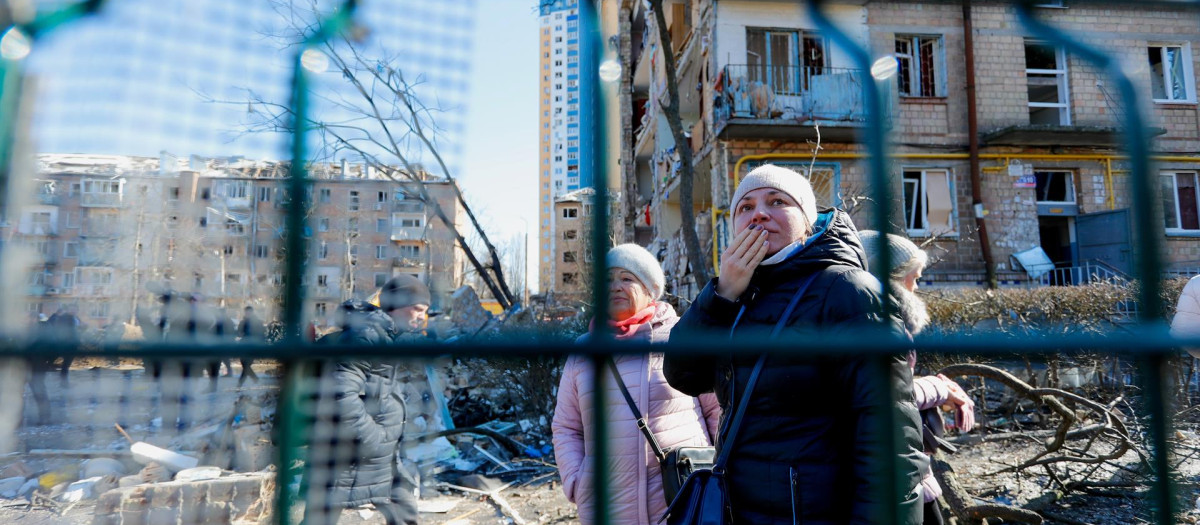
(626, 328)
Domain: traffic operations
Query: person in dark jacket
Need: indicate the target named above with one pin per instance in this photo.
(249, 330)
(808, 449)
(361, 416)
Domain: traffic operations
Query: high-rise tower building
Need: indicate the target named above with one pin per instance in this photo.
(559, 131)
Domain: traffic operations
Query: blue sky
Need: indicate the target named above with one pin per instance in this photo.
(139, 78)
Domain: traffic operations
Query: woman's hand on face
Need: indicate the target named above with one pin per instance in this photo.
(964, 408)
(739, 261)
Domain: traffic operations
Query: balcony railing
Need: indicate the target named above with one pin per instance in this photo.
(408, 206)
(408, 233)
(407, 262)
(100, 200)
(789, 92)
(48, 198)
(39, 228)
(1087, 272)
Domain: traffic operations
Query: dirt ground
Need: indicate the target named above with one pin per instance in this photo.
(100, 393)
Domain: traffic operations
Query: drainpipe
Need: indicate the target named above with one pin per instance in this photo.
(973, 152)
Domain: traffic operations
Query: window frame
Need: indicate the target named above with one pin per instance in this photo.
(1189, 76)
(1179, 230)
(914, 70)
(1063, 74)
(1071, 175)
(927, 231)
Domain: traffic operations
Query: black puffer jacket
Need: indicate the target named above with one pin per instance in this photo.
(360, 422)
(806, 451)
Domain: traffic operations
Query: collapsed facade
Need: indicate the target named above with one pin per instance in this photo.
(111, 234)
(759, 83)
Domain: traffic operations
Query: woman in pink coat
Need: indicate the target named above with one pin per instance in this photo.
(636, 283)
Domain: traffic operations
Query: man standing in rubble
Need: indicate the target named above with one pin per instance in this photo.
(361, 414)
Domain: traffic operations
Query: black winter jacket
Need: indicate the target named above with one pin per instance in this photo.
(806, 451)
(360, 421)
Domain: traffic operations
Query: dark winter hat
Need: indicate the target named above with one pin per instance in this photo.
(401, 291)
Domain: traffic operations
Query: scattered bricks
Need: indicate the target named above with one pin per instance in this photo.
(242, 498)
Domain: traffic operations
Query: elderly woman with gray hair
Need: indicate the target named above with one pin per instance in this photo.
(808, 449)
(908, 261)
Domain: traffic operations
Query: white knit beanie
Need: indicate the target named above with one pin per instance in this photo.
(639, 262)
(782, 179)
(901, 250)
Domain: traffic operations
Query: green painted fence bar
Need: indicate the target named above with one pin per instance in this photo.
(1147, 341)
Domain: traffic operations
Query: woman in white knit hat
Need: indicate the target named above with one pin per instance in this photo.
(674, 419)
(807, 449)
(929, 392)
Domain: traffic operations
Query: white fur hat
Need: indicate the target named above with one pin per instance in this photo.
(782, 179)
(641, 263)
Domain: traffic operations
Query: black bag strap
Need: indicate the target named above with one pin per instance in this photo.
(736, 421)
(637, 414)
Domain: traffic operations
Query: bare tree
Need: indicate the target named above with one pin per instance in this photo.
(381, 120)
(691, 240)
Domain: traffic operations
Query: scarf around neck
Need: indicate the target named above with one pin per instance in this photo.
(626, 328)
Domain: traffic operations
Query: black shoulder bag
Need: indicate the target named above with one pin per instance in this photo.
(704, 497)
(677, 463)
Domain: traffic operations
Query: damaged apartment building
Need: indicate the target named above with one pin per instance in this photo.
(758, 82)
(111, 235)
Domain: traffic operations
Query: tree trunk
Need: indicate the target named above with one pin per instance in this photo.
(691, 241)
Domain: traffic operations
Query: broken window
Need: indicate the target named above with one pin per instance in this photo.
(920, 61)
(570, 234)
(570, 213)
(568, 278)
(1046, 73)
(262, 251)
(568, 257)
(1171, 73)
(1055, 186)
(928, 202)
(326, 195)
(264, 194)
(322, 280)
(1180, 210)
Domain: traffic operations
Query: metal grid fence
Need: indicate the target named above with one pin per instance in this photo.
(1147, 342)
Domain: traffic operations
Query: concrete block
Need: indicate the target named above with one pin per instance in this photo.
(242, 498)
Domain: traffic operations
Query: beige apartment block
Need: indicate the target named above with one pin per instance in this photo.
(573, 257)
(758, 80)
(112, 234)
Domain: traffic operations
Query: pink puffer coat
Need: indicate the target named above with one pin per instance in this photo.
(675, 418)
(1186, 322)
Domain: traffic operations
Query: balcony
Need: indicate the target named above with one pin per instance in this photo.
(100, 200)
(408, 206)
(785, 101)
(39, 229)
(232, 203)
(49, 199)
(93, 290)
(408, 233)
(407, 262)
